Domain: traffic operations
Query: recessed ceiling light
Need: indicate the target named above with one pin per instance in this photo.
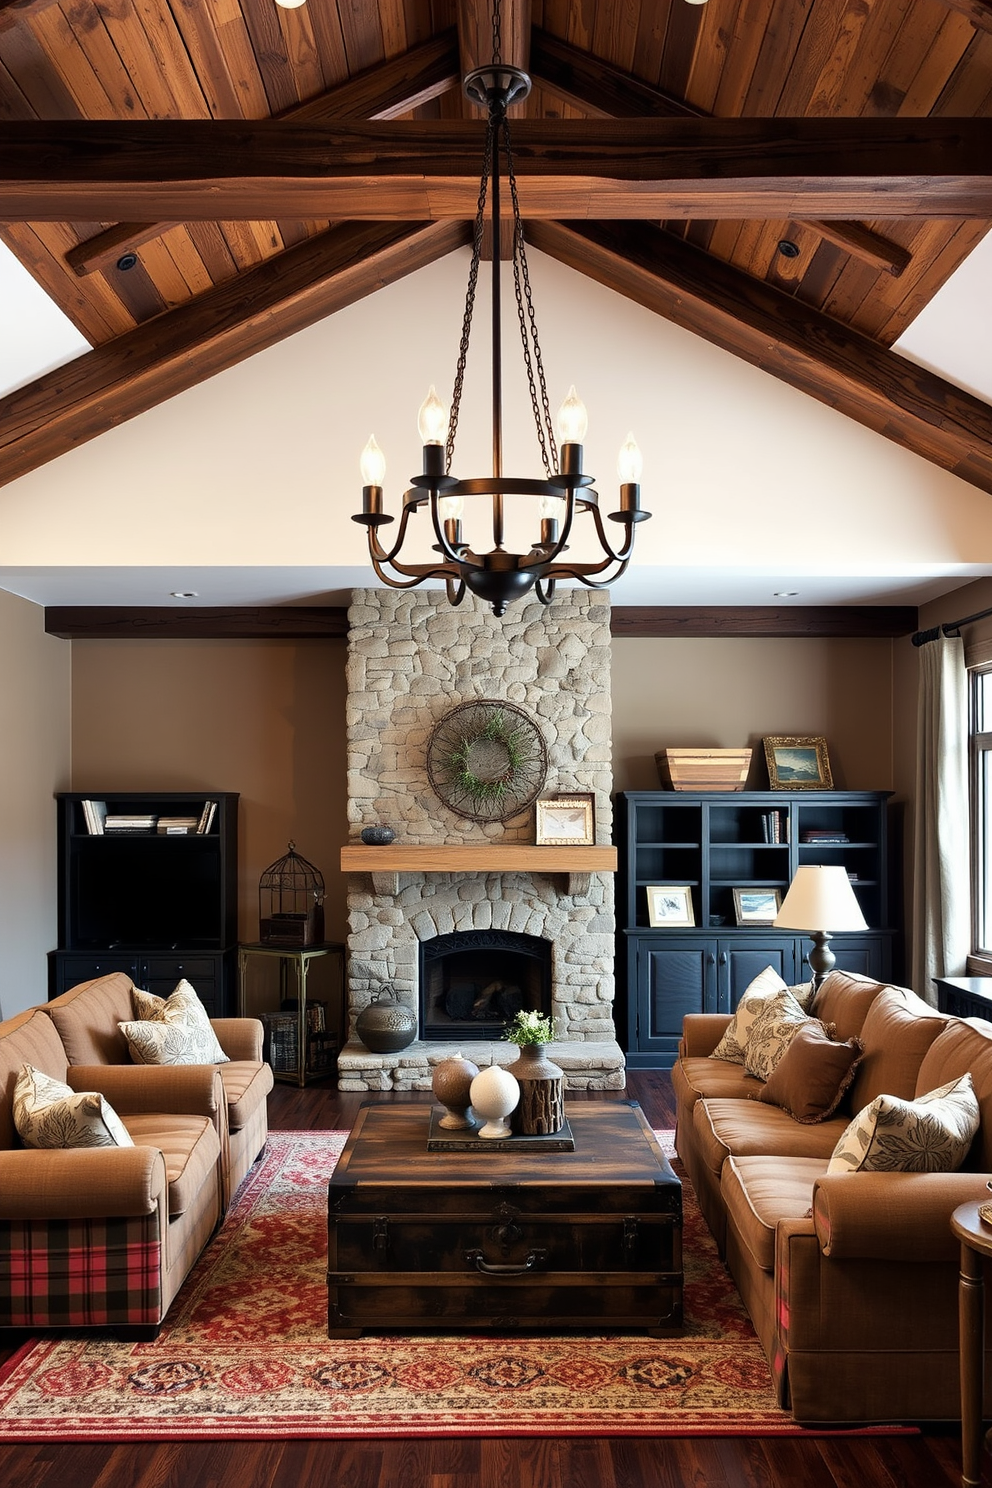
(788, 248)
(785, 593)
(184, 594)
(290, 4)
(127, 261)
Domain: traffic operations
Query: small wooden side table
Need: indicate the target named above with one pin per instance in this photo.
(964, 997)
(976, 1244)
(299, 958)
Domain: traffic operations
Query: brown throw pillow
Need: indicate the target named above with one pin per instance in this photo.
(812, 1075)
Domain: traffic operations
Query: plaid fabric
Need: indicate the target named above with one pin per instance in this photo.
(80, 1273)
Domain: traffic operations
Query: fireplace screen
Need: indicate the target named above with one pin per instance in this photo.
(474, 981)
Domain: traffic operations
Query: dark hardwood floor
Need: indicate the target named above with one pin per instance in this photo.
(931, 1460)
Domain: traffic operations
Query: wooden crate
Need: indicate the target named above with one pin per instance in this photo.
(703, 769)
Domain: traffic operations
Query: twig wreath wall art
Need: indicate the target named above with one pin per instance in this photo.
(487, 760)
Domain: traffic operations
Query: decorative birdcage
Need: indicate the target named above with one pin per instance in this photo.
(291, 902)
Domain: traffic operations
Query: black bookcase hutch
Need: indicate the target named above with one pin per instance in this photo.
(714, 842)
(158, 907)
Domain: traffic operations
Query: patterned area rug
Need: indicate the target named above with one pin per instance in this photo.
(244, 1353)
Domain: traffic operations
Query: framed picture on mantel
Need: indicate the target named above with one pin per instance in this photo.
(566, 821)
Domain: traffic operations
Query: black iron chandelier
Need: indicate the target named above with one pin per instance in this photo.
(499, 576)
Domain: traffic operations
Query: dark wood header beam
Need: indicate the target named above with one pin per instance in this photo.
(776, 332)
(649, 169)
(85, 622)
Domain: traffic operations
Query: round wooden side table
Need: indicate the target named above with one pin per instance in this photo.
(976, 1244)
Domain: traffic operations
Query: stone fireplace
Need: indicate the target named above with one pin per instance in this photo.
(463, 947)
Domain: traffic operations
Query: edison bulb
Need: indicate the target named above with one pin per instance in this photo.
(373, 464)
(573, 420)
(630, 462)
(450, 508)
(432, 420)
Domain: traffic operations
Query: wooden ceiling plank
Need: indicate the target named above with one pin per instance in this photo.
(169, 87)
(177, 268)
(361, 30)
(783, 35)
(940, 58)
(103, 92)
(213, 248)
(382, 92)
(967, 88)
(791, 341)
(302, 52)
(850, 41)
(717, 36)
(27, 63)
(964, 239)
(614, 34)
(855, 622)
(183, 347)
(13, 103)
(652, 25)
(269, 45)
(98, 313)
(222, 54)
(854, 91)
(977, 12)
(608, 92)
(681, 39)
(751, 24)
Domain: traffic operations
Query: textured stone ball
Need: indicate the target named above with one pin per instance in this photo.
(451, 1081)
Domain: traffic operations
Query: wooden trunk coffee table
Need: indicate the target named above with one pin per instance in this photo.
(588, 1239)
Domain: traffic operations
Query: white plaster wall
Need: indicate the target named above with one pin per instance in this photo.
(35, 689)
(260, 464)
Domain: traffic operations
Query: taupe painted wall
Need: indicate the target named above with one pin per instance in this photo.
(729, 692)
(264, 718)
(34, 685)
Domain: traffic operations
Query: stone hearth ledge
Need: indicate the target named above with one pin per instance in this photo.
(587, 1066)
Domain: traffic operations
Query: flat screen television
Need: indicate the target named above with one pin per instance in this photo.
(143, 891)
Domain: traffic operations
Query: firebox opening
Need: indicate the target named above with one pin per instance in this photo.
(473, 982)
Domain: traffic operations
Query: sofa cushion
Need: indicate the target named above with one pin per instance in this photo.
(772, 1032)
(931, 1134)
(191, 1149)
(964, 1044)
(898, 1030)
(88, 1018)
(738, 1128)
(246, 1084)
(172, 1030)
(759, 1191)
(843, 999)
(700, 1077)
(27, 1038)
(49, 1113)
(810, 1079)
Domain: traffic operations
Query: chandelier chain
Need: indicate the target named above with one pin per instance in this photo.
(473, 279)
(497, 38)
(543, 419)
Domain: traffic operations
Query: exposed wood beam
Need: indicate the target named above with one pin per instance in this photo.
(183, 347)
(233, 623)
(93, 622)
(649, 169)
(609, 93)
(794, 342)
(857, 622)
(380, 92)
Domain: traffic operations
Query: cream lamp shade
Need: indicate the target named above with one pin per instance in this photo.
(820, 901)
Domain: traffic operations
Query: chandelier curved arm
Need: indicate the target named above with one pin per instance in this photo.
(623, 556)
(414, 573)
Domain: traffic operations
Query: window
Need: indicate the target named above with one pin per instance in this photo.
(981, 811)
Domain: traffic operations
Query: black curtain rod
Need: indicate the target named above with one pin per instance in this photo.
(949, 628)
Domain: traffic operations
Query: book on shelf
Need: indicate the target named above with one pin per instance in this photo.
(176, 826)
(206, 817)
(772, 827)
(94, 815)
(822, 836)
(143, 823)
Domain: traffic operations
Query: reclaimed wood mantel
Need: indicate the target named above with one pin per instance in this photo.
(387, 863)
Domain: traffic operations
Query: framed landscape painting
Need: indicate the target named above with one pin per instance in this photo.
(757, 906)
(798, 762)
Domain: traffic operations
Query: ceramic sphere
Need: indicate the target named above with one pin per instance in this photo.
(495, 1094)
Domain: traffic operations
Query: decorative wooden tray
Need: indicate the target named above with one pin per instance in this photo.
(703, 769)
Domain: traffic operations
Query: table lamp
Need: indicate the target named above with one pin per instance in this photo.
(819, 897)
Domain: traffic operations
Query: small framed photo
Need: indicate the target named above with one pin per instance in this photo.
(670, 904)
(566, 821)
(798, 763)
(757, 906)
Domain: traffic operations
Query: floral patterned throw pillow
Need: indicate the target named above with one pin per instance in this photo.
(931, 1134)
(172, 1030)
(731, 1047)
(772, 1032)
(49, 1113)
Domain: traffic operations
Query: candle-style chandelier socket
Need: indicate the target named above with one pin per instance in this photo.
(498, 575)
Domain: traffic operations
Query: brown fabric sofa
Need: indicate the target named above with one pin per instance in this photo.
(851, 1278)
(105, 1235)
(87, 1019)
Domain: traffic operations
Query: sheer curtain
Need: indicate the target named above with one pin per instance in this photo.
(941, 930)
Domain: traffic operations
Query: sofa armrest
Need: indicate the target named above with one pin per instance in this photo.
(891, 1216)
(240, 1038)
(137, 1089)
(701, 1032)
(81, 1183)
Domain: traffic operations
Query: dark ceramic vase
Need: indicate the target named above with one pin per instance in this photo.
(386, 1025)
(377, 836)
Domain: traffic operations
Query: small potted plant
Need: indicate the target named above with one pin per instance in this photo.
(541, 1111)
